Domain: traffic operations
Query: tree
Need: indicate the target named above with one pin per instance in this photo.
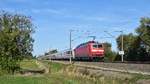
(144, 32)
(128, 44)
(16, 40)
(137, 47)
(53, 51)
(109, 54)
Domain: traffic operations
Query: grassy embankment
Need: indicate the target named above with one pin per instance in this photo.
(97, 77)
(29, 64)
(68, 74)
(50, 78)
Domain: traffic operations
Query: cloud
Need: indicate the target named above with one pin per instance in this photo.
(84, 17)
(52, 11)
(94, 18)
(17, 1)
(67, 14)
(20, 0)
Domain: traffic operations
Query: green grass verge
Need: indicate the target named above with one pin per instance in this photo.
(50, 78)
(57, 77)
(29, 64)
(45, 79)
(103, 79)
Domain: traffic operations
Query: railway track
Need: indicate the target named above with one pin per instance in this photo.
(143, 69)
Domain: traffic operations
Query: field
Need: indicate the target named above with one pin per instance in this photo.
(68, 74)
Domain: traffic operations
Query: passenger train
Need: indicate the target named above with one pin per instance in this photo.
(90, 50)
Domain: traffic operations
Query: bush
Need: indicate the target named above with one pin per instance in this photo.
(110, 56)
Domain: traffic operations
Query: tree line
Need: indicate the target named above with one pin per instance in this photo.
(136, 45)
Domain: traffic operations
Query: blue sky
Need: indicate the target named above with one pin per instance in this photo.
(54, 18)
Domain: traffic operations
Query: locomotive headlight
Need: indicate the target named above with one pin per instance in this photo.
(97, 50)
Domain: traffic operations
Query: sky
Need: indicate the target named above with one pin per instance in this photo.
(54, 18)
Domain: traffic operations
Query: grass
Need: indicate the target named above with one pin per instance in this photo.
(139, 77)
(54, 67)
(72, 72)
(19, 80)
(29, 64)
(45, 79)
(51, 78)
(64, 74)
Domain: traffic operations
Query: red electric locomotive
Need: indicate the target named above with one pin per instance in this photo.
(90, 50)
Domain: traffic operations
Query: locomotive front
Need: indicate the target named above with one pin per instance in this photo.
(90, 50)
(96, 49)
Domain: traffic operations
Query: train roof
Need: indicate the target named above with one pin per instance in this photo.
(87, 43)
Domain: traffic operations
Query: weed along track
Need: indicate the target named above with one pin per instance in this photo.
(114, 67)
(125, 70)
(64, 73)
(93, 73)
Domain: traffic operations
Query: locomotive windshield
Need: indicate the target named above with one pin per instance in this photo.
(100, 46)
(97, 46)
(94, 46)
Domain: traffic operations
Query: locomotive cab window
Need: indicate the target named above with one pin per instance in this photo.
(100, 46)
(97, 46)
(94, 46)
